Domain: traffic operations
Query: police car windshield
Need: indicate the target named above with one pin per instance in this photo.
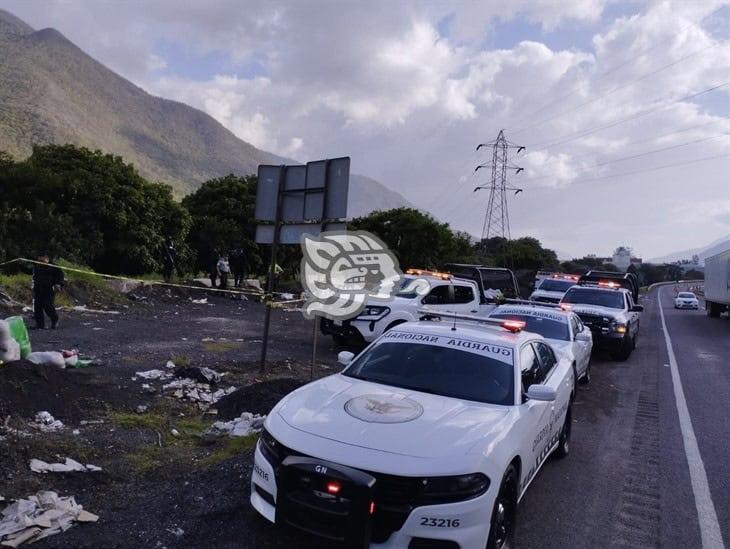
(438, 370)
(554, 285)
(686, 295)
(546, 327)
(601, 298)
(404, 282)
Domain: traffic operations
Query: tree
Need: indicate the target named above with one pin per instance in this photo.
(222, 212)
(416, 238)
(694, 274)
(522, 253)
(88, 207)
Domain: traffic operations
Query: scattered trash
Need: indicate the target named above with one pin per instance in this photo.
(244, 425)
(91, 422)
(85, 309)
(9, 348)
(69, 466)
(153, 374)
(47, 358)
(202, 375)
(40, 516)
(203, 301)
(177, 532)
(147, 388)
(170, 364)
(142, 408)
(175, 432)
(287, 296)
(47, 423)
(201, 393)
(75, 432)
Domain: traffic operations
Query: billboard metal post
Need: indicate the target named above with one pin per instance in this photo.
(323, 228)
(272, 269)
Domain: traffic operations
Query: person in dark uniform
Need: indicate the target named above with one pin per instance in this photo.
(169, 255)
(212, 262)
(46, 279)
(239, 266)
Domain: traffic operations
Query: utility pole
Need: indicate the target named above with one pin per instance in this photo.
(496, 218)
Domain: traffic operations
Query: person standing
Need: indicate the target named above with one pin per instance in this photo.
(239, 266)
(46, 279)
(169, 255)
(211, 263)
(224, 270)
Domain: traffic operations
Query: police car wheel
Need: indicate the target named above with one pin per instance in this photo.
(563, 448)
(624, 351)
(586, 379)
(504, 514)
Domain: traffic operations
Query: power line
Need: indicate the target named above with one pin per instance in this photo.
(654, 137)
(629, 61)
(576, 135)
(616, 88)
(646, 153)
(655, 168)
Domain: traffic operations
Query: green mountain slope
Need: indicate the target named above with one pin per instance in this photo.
(52, 92)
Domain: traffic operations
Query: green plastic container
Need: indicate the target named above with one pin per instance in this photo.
(20, 334)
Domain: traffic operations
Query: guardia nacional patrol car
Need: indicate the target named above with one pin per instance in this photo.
(428, 438)
(563, 330)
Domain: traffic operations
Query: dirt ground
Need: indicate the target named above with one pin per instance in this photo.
(156, 489)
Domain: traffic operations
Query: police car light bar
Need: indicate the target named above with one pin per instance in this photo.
(533, 303)
(513, 326)
(434, 274)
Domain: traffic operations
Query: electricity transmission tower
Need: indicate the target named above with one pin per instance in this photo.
(496, 218)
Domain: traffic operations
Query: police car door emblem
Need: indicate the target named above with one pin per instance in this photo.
(383, 408)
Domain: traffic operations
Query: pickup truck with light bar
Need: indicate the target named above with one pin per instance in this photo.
(552, 288)
(428, 438)
(446, 293)
(609, 311)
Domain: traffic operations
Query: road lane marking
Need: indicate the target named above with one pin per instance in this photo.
(706, 514)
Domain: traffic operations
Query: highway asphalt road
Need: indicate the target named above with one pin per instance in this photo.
(628, 481)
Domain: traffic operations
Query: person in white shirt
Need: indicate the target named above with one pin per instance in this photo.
(223, 271)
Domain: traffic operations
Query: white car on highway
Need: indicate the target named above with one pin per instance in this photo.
(686, 300)
(428, 438)
(446, 293)
(563, 330)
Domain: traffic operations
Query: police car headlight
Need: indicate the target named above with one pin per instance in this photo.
(618, 327)
(454, 488)
(270, 447)
(373, 312)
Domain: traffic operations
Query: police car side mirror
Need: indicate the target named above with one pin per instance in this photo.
(345, 357)
(583, 335)
(541, 392)
(637, 309)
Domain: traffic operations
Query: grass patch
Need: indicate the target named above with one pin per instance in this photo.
(221, 346)
(232, 447)
(180, 360)
(17, 286)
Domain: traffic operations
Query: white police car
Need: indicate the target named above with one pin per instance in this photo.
(429, 438)
(686, 300)
(563, 330)
(445, 293)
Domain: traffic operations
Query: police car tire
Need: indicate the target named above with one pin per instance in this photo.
(563, 448)
(586, 379)
(507, 496)
(624, 352)
(393, 325)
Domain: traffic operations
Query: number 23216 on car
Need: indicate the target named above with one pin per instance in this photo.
(430, 436)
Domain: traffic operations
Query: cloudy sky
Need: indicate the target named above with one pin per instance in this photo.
(624, 107)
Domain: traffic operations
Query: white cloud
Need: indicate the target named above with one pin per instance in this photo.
(408, 100)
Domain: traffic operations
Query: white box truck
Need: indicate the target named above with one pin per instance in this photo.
(717, 283)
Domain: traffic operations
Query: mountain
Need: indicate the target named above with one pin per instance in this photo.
(719, 245)
(53, 92)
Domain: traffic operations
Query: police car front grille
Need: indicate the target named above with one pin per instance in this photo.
(394, 497)
(595, 322)
(547, 299)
